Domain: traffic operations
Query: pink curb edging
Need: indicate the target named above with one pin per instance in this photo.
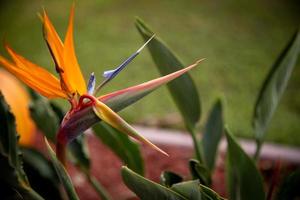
(179, 138)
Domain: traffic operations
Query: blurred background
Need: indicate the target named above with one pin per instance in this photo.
(239, 39)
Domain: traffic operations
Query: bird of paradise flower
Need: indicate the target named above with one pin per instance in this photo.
(86, 109)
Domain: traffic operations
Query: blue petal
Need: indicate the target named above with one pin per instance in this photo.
(91, 84)
(110, 74)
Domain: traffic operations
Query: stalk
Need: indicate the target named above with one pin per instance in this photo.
(61, 152)
(257, 151)
(197, 146)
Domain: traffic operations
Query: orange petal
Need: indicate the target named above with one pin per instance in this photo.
(113, 119)
(56, 46)
(53, 41)
(72, 72)
(34, 76)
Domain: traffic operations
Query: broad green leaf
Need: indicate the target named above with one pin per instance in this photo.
(127, 150)
(13, 180)
(9, 139)
(62, 174)
(146, 189)
(193, 190)
(289, 189)
(168, 178)
(245, 181)
(189, 189)
(209, 194)
(36, 160)
(41, 174)
(183, 89)
(200, 172)
(274, 86)
(12, 187)
(212, 134)
(59, 112)
(43, 115)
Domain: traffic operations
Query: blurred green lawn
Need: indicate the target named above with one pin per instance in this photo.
(240, 40)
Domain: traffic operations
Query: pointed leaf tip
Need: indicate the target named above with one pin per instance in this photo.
(142, 47)
(274, 87)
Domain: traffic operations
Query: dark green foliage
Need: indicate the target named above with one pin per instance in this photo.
(168, 178)
(289, 189)
(213, 131)
(62, 174)
(41, 174)
(244, 179)
(183, 89)
(43, 115)
(200, 172)
(273, 88)
(148, 190)
(13, 180)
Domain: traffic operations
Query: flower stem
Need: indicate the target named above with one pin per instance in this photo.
(98, 187)
(257, 151)
(197, 146)
(61, 152)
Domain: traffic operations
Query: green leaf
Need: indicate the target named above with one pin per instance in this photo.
(183, 89)
(289, 189)
(245, 181)
(168, 178)
(146, 189)
(41, 174)
(9, 139)
(43, 115)
(60, 113)
(274, 86)
(127, 150)
(62, 174)
(208, 193)
(40, 164)
(190, 189)
(193, 190)
(212, 134)
(13, 180)
(200, 172)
